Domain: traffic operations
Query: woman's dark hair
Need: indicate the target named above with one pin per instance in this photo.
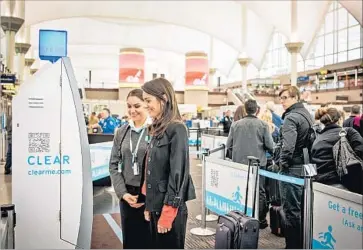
(239, 113)
(170, 112)
(327, 116)
(137, 93)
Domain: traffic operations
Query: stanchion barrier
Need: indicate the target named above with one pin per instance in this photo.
(309, 173)
(8, 222)
(204, 230)
(220, 148)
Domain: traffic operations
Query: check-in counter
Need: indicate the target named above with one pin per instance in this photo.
(98, 138)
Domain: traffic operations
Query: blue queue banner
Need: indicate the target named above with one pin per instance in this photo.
(52, 44)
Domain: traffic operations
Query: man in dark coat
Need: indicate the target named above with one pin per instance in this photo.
(294, 132)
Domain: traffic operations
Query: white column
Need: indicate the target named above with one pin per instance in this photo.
(10, 49)
(294, 47)
(21, 50)
(244, 62)
(294, 27)
(28, 63)
(10, 25)
(243, 30)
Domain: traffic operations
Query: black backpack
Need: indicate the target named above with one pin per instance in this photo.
(313, 133)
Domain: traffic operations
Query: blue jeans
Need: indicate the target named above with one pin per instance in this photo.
(8, 158)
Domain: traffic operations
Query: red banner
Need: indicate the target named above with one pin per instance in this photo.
(131, 66)
(196, 69)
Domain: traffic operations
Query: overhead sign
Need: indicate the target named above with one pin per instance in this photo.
(52, 44)
(303, 78)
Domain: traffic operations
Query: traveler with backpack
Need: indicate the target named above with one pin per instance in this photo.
(295, 133)
(323, 154)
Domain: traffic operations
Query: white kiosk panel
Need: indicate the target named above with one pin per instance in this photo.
(52, 186)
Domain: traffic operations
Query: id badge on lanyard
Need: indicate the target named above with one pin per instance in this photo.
(135, 165)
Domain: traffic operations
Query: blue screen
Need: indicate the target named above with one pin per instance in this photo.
(52, 44)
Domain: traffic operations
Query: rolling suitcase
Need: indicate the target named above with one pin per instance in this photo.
(227, 232)
(277, 220)
(249, 226)
(236, 230)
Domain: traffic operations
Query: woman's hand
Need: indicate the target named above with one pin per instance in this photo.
(137, 205)
(163, 230)
(131, 199)
(147, 215)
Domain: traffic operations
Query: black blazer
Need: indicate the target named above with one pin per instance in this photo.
(168, 179)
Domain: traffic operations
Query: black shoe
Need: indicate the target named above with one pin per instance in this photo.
(263, 225)
(7, 171)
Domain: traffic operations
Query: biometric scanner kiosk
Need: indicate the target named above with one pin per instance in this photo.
(52, 185)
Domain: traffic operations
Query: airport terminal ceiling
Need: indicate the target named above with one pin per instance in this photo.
(166, 30)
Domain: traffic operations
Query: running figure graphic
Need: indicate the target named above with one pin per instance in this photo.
(237, 197)
(328, 237)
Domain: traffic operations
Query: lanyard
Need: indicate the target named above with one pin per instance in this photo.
(134, 153)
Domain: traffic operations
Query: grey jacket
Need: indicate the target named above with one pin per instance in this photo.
(250, 137)
(121, 152)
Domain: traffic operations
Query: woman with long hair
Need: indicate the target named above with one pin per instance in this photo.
(239, 113)
(167, 184)
(128, 151)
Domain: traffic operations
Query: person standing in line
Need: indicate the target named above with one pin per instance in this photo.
(354, 115)
(294, 134)
(167, 184)
(251, 136)
(128, 151)
(227, 122)
(9, 130)
(239, 113)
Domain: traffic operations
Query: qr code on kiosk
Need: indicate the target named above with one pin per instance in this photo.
(39, 142)
(214, 178)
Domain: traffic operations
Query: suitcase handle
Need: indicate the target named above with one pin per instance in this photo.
(250, 159)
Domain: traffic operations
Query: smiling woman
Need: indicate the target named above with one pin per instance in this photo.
(167, 184)
(127, 154)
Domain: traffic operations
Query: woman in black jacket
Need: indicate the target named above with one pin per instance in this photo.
(322, 152)
(128, 151)
(167, 184)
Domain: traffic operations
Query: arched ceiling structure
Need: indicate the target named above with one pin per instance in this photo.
(97, 29)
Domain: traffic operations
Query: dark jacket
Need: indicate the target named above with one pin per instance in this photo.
(349, 122)
(168, 179)
(294, 132)
(227, 122)
(322, 152)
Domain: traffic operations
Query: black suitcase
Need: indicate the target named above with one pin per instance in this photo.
(227, 232)
(277, 221)
(236, 230)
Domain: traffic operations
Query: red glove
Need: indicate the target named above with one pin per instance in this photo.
(167, 216)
